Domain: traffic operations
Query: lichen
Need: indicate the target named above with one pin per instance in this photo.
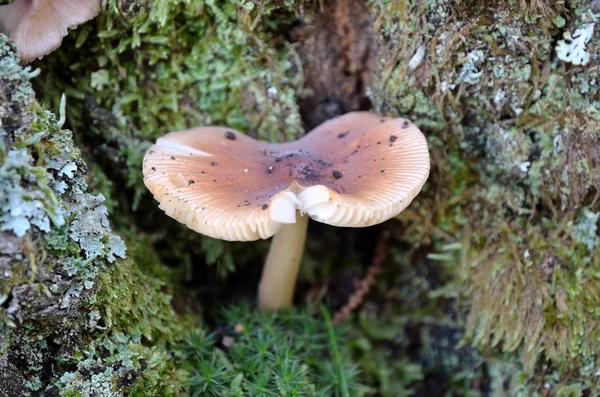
(67, 291)
(513, 181)
(89, 227)
(22, 209)
(130, 313)
(572, 47)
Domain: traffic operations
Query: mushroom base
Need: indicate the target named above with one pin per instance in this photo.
(276, 288)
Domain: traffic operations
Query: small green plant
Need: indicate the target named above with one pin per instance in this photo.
(253, 353)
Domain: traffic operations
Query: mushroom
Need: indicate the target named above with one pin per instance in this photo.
(38, 26)
(356, 170)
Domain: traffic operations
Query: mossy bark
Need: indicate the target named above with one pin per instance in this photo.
(491, 285)
(77, 316)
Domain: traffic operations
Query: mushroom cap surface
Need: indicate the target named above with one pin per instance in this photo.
(38, 26)
(356, 170)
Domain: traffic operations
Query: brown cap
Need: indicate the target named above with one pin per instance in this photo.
(38, 26)
(355, 170)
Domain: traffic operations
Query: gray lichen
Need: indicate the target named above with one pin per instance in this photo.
(90, 226)
(21, 208)
(63, 268)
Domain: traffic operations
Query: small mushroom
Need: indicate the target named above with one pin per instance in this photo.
(38, 26)
(321, 176)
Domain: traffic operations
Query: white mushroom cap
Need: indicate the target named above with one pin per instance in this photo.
(356, 170)
(38, 26)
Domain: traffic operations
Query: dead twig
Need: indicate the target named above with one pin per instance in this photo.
(364, 286)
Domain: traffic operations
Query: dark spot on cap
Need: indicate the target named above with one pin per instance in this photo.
(153, 168)
(381, 120)
(405, 124)
(202, 172)
(213, 163)
(265, 206)
(172, 158)
(382, 171)
(192, 181)
(230, 135)
(214, 180)
(343, 134)
(278, 159)
(337, 174)
(379, 143)
(290, 155)
(393, 138)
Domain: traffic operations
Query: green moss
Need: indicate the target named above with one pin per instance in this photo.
(551, 286)
(130, 299)
(212, 63)
(287, 354)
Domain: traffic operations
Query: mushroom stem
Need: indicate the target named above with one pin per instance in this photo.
(276, 288)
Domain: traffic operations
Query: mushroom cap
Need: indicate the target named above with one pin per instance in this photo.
(38, 26)
(356, 170)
